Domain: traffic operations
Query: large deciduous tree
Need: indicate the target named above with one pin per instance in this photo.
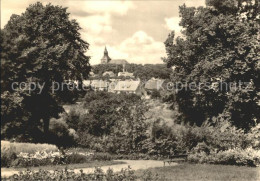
(220, 46)
(42, 45)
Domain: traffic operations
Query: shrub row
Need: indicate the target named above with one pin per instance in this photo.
(206, 144)
(26, 147)
(99, 175)
(246, 157)
(10, 159)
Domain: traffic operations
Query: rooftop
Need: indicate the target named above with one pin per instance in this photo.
(128, 85)
(118, 61)
(99, 84)
(154, 84)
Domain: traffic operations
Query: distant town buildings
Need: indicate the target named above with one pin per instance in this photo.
(107, 60)
(122, 82)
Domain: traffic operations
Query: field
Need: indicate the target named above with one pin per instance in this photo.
(206, 172)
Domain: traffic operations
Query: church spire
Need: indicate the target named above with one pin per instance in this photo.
(105, 52)
(106, 58)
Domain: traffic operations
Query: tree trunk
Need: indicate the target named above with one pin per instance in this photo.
(46, 123)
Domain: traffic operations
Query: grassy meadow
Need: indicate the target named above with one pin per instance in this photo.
(205, 172)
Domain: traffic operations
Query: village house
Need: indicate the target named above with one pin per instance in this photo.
(99, 85)
(126, 74)
(86, 83)
(154, 84)
(112, 84)
(108, 73)
(91, 74)
(129, 86)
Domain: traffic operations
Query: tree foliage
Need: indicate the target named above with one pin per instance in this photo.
(144, 72)
(41, 45)
(111, 119)
(220, 45)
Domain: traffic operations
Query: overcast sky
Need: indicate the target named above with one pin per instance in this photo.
(132, 30)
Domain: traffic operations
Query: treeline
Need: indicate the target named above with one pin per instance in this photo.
(144, 72)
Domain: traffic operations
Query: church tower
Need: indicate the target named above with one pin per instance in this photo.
(106, 59)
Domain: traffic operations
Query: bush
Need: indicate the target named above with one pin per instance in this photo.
(159, 139)
(79, 150)
(133, 156)
(39, 158)
(201, 142)
(102, 156)
(75, 158)
(11, 158)
(148, 175)
(123, 175)
(26, 147)
(14, 116)
(60, 134)
(219, 136)
(246, 157)
(254, 136)
(155, 94)
(8, 155)
(105, 128)
(34, 162)
(11, 154)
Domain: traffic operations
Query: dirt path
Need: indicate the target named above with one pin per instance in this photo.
(134, 164)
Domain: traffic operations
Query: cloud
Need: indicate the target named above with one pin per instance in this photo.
(95, 18)
(95, 24)
(83, 8)
(117, 24)
(139, 48)
(9, 7)
(142, 48)
(173, 24)
(138, 38)
(196, 3)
